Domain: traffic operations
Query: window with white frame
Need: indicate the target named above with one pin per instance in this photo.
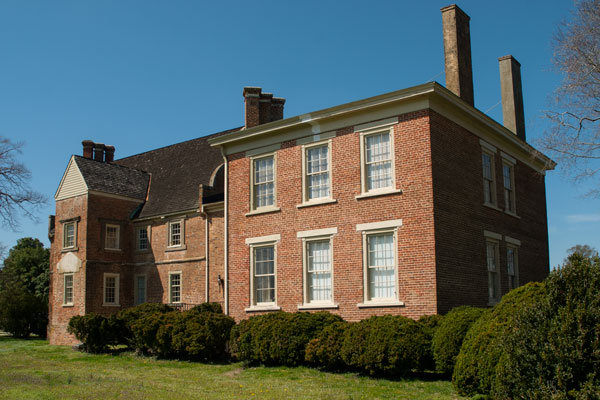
(381, 274)
(509, 186)
(69, 234)
(175, 287)
(317, 176)
(263, 182)
(111, 289)
(68, 290)
(489, 180)
(512, 267)
(263, 274)
(378, 165)
(111, 237)
(142, 238)
(492, 256)
(176, 233)
(140, 289)
(318, 271)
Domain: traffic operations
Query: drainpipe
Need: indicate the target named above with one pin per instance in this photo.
(226, 233)
(206, 254)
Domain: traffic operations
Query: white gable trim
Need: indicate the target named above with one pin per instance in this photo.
(72, 183)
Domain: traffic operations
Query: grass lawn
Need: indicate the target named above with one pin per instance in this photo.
(32, 369)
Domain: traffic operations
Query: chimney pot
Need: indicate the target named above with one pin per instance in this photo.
(99, 152)
(457, 52)
(88, 148)
(109, 154)
(261, 108)
(513, 111)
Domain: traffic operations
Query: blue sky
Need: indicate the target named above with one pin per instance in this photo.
(145, 74)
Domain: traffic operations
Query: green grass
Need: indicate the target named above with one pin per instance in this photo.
(32, 369)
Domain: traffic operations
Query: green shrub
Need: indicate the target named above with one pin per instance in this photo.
(96, 332)
(475, 368)
(450, 335)
(129, 315)
(278, 338)
(208, 307)
(430, 324)
(21, 312)
(388, 345)
(325, 350)
(144, 331)
(553, 349)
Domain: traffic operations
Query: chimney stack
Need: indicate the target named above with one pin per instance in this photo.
(261, 108)
(513, 111)
(99, 152)
(457, 52)
(88, 149)
(109, 154)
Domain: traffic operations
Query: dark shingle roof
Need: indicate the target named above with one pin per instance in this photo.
(177, 172)
(113, 179)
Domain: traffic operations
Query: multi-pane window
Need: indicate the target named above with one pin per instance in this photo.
(509, 191)
(378, 161)
(493, 271)
(175, 288)
(264, 182)
(381, 265)
(111, 236)
(264, 274)
(175, 233)
(111, 289)
(140, 289)
(512, 267)
(142, 238)
(68, 289)
(489, 190)
(69, 235)
(317, 172)
(318, 271)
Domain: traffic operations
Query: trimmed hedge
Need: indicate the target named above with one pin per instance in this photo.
(387, 345)
(475, 369)
(325, 350)
(430, 324)
(278, 338)
(96, 332)
(130, 315)
(553, 349)
(449, 336)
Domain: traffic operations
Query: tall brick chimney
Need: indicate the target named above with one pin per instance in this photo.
(99, 152)
(513, 111)
(109, 154)
(88, 149)
(261, 108)
(457, 52)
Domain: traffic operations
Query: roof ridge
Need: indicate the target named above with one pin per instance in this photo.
(111, 164)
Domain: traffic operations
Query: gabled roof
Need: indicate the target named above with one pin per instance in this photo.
(177, 172)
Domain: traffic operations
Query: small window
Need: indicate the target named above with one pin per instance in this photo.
(111, 289)
(68, 290)
(175, 233)
(317, 172)
(175, 287)
(509, 187)
(140, 289)
(142, 238)
(318, 272)
(492, 255)
(378, 169)
(512, 267)
(381, 266)
(263, 272)
(112, 237)
(489, 181)
(70, 235)
(263, 182)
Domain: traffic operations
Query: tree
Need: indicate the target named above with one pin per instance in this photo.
(574, 136)
(583, 250)
(15, 195)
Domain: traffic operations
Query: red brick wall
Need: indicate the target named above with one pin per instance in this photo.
(416, 258)
(461, 218)
(216, 248)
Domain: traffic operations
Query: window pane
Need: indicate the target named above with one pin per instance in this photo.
(319, 271)
(263, 182)
(379, 161)
(175, 288)
(507, 176)
(69, 239)
(487, 166)
(112, 237)
(110, 285)
(142, 238)
(141, 290)
(68, 289)
(175, 239)
(381, 263)
(264, 274)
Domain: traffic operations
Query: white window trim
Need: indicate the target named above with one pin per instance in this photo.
(181, 244)
(392, 302)
(494, 203)
(106, 226)
(171, 273)
(136, 287)
(74, 223)
(508, 161)
(117, 290)
(496, 242)
(137, 237)
(317, 235)
(253, 244)
(70, 303)
(515, 266)
(320, 200)
(273, 207)
(363, 170)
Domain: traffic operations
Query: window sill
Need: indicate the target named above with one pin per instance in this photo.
(316, 202)
(492, 206)
(270, 307)
(375, 193)
(322, 306)
(68, 305)
(176, 248)
(69, 249)
(110, 305)
(263, 210)
(372, 304)
(512, 214)
(112, 250)
(141, 251)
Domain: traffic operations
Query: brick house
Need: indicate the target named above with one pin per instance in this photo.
(411, 203)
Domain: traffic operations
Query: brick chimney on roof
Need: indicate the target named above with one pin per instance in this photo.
(261, 108)
(88, 149)
(99, 152)
(513, 112)
(457, 52)
(109, 154)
